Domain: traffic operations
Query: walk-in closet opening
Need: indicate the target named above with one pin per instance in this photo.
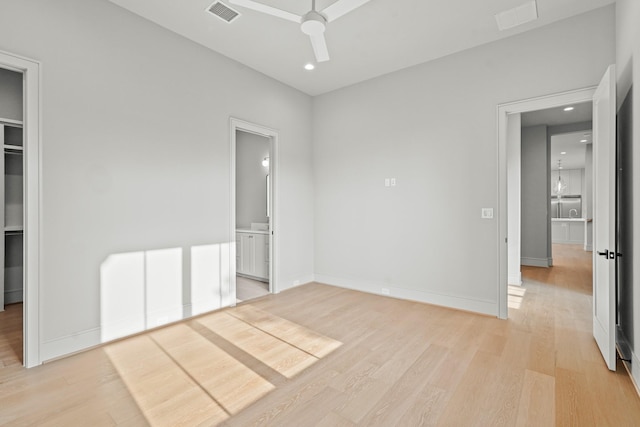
(12, 246)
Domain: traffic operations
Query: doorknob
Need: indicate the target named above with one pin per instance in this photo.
(608, 254)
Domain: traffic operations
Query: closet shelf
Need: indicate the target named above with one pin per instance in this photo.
(11, 122)
(13, 148)
(10, 228)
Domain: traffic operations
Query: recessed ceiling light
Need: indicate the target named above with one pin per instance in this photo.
(563, 152)
(568, 109)
(309, 67)
(583, 140)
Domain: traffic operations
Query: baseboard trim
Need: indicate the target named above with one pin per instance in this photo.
(290, 284)
(91, 338)
(69, 344)
(476, 306)
(515, 280)
(588, 248)
(12, 296)
(626, 352)
(536, 262)
(259, 279)
(634, 371)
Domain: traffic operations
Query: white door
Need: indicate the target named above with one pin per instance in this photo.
(604, 169)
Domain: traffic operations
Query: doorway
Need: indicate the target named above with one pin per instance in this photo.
(29, 71)
(253, 210)
(556, 188)
(252, 215)
(510, 195)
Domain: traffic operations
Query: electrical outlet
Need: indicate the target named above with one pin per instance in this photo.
(385, 291)
(386, 182)
(393, 182)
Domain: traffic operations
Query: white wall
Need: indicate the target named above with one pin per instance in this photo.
(136, 167)
(433, 127)
(251, 187)
(628, 68)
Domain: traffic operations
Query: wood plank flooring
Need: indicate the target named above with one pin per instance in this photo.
(318, 355)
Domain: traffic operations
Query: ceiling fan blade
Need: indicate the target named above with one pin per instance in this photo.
(320, 47)
(341, 7)
(249, 4)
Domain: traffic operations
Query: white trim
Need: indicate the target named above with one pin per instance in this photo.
(473, 305)
(290, 284)
(515, 280)
(69, 344)
(626, 351)
(32, 175)
(241, 125)
(536, 262)
(635, 371)
(522, 106)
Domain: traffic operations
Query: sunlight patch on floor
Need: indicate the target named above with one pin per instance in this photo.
(516, 296)
(277, 354)
(166, 395)
(186, 374)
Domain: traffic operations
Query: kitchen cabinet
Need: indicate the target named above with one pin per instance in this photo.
(568, 231)
(252, 254)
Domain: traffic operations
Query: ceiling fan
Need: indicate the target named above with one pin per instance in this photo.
(313, 23)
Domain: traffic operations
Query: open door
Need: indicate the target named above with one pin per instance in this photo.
(604, 255)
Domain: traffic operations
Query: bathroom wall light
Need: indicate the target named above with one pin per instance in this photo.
(265, 162)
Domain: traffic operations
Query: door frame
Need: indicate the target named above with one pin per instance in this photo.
(235, 125)
(30, 70)
(503, 110)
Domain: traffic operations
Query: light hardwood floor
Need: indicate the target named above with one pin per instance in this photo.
(323, 356)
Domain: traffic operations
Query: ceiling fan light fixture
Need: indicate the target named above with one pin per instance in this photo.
(313, 24)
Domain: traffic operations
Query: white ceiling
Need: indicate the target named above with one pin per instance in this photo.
(380, 37)
(575, 151)
(569, 143)
(557, 116)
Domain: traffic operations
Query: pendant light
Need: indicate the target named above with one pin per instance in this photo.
(559, 186)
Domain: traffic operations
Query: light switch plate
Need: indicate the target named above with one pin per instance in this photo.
(487, 213)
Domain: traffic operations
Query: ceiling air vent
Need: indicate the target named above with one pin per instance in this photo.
(522, 14)
(223, 11)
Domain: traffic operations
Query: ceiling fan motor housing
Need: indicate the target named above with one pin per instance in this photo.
(313, 23)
